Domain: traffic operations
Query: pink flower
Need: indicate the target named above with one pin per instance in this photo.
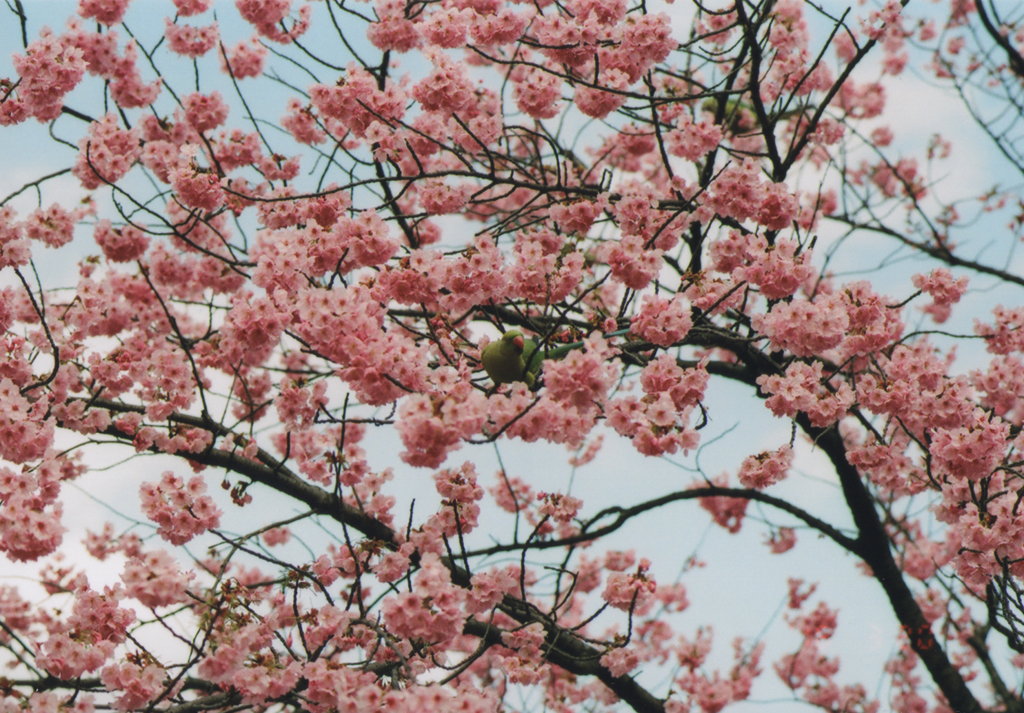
(139, 684)
(765, 468)
(99, 49)
(155, 580)
(191, 41)
(301, 124)
(180, 511)
(970, 451)
(944, 290)
(252, 328)
(53, 226)
(662, 322)
(778, 207)
(205, 111)
(433, 611)
(692, 654)
(806, 328)
(128, 90)
(630, 592)
(108, 12)
(738, 191)
(245, 59)
(446, 27)
(438, 197)
(598, 103)
(583, 378)
(356, 102)
(646, 41)
(431, 427)
(489, 587)
(268, 17)
(537, 93)
(782, 540)
(576, 216)
(559, 507)
(100, 616)
(620, 661)
(107, 153)
(393, 31)
(801, 389)
(48, 71)
(543, 271)
(777, 269)
(187, 8)
(562, 40)
(67, 658)
(160, 157)
(30, 525)
(631, 262)
(120, 244)
(277, 536)
(727, 512)
(692, 141)
(664, 376)
(196, 187)
(503, 27)
(447, 89)
(458, 486)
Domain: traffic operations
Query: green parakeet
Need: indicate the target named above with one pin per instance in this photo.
(504, 360)
(518, 358)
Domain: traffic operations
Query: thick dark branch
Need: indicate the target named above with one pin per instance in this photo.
(266, 470)
(1016, 62)
(874, 544)
(566, 650)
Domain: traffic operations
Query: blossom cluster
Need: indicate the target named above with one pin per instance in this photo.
(180, 510)
(274, 304)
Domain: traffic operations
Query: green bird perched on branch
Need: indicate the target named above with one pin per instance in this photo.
(506, 359)
(518, 358)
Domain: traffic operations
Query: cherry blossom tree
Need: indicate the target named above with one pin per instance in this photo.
(289, 231)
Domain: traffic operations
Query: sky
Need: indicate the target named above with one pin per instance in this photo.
(729, 593)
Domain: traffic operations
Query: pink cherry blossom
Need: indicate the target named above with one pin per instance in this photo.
(717, 231)
(180, 510)
(139, 685)
(804, 389)
(393, 31)
(726, 512)
(197, 186)
(154, 579)
(538, 93)
(765, 468)
(269, 18)
(189, 41)
(120, 244)
(48, 71)
(109, 12)
(187, 8)
(54, 226)
(107, 153)
(662, 322)
(245, 59)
